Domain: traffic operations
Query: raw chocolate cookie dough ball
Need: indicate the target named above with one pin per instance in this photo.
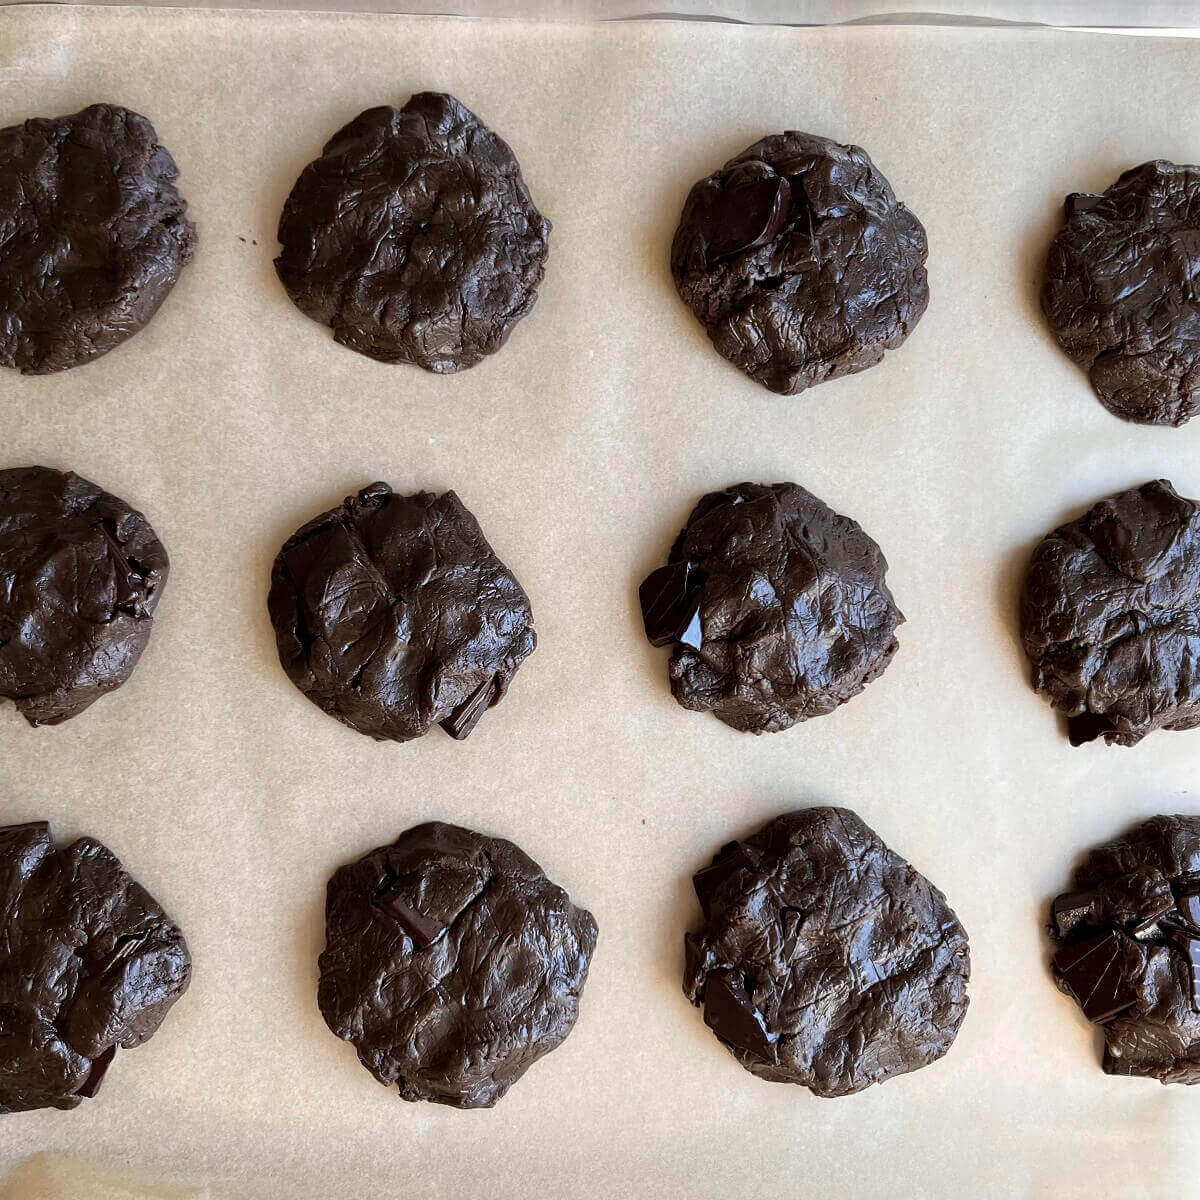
(1120, 292)
(393, 614)
(413, 237)
(1110, 616)
(825, 959)
(800, 262)
(451, 963)
(92, 235)
(1129, 948)
(81, 574)
(88, 962)
(776, 606)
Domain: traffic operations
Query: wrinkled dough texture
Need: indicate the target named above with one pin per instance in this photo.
(80, 576)
(92, 235)
(458, 1020)
(795, 614)
(1160, 1036)
(88, 962)
(849, 961)
(1110, 615)
(391, 611)
(1120, 292)
(841, 280)
(414, 237)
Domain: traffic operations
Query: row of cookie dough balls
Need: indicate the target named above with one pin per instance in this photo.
(414, 238)
(824, 959)
(393, 613)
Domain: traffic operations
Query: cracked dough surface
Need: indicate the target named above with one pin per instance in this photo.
(800, 262)
(795, 615)
(81, 574)
(92, 235)
(451, 963)
(825, 959)
(1120, 292)
(414, 237)
(1110, 616)
(88, 962)
(393, 614)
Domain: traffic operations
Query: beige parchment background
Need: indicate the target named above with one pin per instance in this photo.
(581, 447)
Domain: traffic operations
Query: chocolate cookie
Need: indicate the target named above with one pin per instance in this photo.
(1120, 294)
(88, 962)
(1110, 616)
(451, 963)
(1129, 948)
(413, 237)
(800, 262)
(393, 614)
(81, 574)
(776, 606)
(94, 235)
(825, 959)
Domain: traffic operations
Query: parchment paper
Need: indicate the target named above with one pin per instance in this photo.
(581, 447)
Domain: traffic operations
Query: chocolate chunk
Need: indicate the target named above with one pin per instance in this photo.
(459, 1019)
(1108, 614)
(466, 716)
(88, 962)
(93, 233)
(91, 1085)
(413, 236)
(1120, 292)
(799, 261)
(790, 615)
(749, 211)
(731, 1015)
(1189, 909)
(1087, 727)
(75, 615)
(1073, 910)
(731, 859)
(670, 600)
(1189, 946)
(1091, 970)
(824, 959)
(423, 930)
(390, 608)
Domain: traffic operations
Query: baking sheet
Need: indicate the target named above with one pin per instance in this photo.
(581, 447)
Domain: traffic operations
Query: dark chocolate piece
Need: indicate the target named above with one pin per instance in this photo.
(1120, 295)
(1189, 909)
(393, 614)
(800, 262)
(730, 1013)
(1092, 971)
(456, 1016)
(1073, 910)
(81, 574)
(825, 959)
(1189, 945)
(423, 930)
(1108, 613)
(1132, 965)
(88, 962)
(414, 237)
(94, 235)
(707, 880)
(466, 716)
(670, 600)
(777, 605)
